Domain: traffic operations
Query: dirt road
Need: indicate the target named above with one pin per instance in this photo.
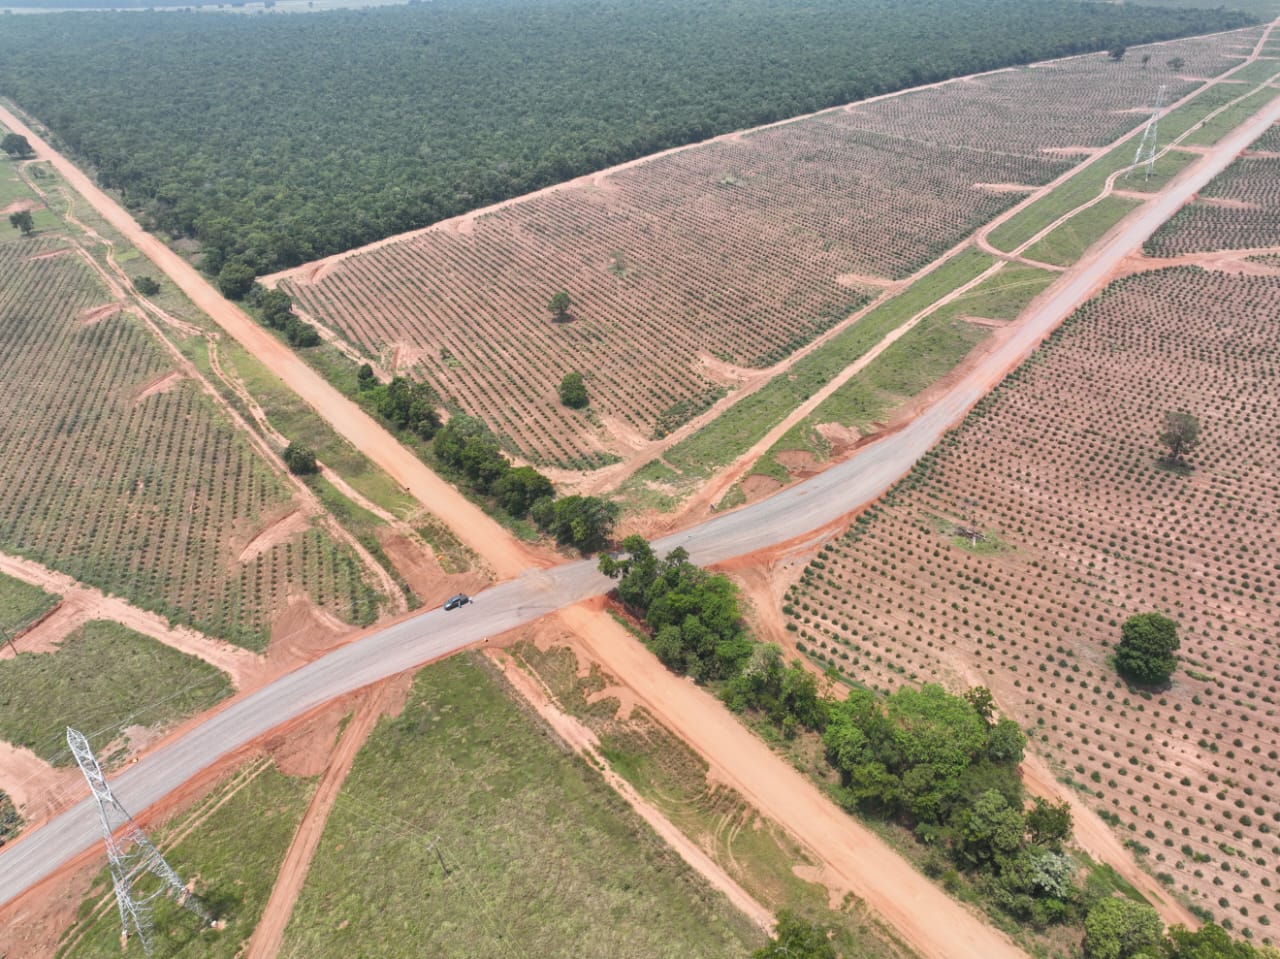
(855, 858)
(468, 522)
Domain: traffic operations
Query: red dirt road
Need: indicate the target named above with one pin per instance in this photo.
(856, 859)
(469, 523)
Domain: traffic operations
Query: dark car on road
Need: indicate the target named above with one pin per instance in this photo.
(458, 599)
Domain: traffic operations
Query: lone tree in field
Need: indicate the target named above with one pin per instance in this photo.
(1181, 434)
(1117, 52)
(573, 392)
(1147, 653)
(1175, 63)
(299, 459)
(16, 146)
(147, 285)
(559, 306)
(22, 221)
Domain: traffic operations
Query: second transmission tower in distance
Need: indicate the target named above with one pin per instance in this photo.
(1147, 145)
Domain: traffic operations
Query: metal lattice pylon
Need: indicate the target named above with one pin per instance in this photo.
(1147, 145)
(130, 853)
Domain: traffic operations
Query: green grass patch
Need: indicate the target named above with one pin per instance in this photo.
(663, 769)
(1260, 71)
(242, 830)
(14, 188)
(1105, 880)
(931, 349)
(1075, 192)
(1177, 122)
(1167, 166)
(1066, 244)
(1230, 118)
(21, 604)
(101, 679)
(747, 421)
(293, 417)
(541, 854)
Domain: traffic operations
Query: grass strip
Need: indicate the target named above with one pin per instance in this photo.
(101, 679)
(543, 858)
(1215, 129)
(747, 422)
(1067, 243)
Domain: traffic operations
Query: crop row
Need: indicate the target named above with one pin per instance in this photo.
(1013, 552)
(1081, 101)
(738, 251)
(1236, 211)
(143, 497)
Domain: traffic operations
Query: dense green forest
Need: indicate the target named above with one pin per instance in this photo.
(274, 140)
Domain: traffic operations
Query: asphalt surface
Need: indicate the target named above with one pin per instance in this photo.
(810, 506)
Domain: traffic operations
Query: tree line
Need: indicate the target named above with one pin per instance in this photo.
(274, 140)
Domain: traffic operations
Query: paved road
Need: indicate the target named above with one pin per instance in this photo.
(813, 505)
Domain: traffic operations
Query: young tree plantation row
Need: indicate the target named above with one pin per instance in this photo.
(736, 252)
(1013, 553)
(147, 493)
(1236, 211)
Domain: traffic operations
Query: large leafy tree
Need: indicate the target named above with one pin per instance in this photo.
(16, 145)
(21, 220)
(694, 615)
(1181, 434)
(1147, 653)
(1121, 928)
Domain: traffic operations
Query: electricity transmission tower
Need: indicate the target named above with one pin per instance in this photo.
(130, 854)
(1147, 146)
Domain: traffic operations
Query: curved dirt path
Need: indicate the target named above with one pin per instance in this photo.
(469, 523)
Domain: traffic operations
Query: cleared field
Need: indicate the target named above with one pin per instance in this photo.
(542, 856)
(1236, 211)
(113, 684)
(117, 470)
(1013, 553)
(21, 604)
(231, 843)
(691, 269)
